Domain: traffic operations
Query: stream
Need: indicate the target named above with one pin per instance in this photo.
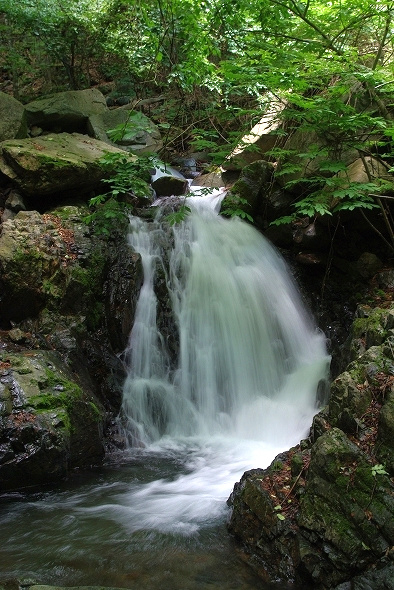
(244, 385)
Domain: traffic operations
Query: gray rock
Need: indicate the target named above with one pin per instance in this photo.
(54, 163)
(368, 265)
(167, 186)
(337, 521)
(49, 423)
(66, 111)
(137, 133)
(15, 202)
(13, 123)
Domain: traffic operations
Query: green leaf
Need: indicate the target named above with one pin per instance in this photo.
(333, 166)
(378, 470)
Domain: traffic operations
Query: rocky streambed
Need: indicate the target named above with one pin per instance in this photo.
(321, 515)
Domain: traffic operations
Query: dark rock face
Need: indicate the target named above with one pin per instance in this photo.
(252, 193)
(121, 291)
(323, 513)
(167, 186)
(48, 423)
(67, 290)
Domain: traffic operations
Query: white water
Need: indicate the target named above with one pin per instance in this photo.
(243, 387)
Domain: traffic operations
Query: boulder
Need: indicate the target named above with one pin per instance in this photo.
(210, 180)
(167, 186)
(49, 261)
(316, 516)
(54, 163)
(368, 265)
(66, 111)
(357, 172)
(322, 514)
(65, 288)
(252, 192)
(295, 166)
(48, 423)
(385, 438)
(131, 130)
(121, 291)
(13, 123)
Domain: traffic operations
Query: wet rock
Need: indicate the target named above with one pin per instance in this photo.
(121, 292)
(385, 437)
(321, 515)
(49, 424)
(251, 192)
(167, 186)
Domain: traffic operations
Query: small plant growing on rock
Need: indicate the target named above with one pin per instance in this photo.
(127, 177)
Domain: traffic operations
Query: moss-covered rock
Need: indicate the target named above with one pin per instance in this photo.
(251, 193)
(50, 261)
(13, 123)
(49, 424)
(333, 495)
(66, 111)
(137, 134)
(385, 438)
(54, 163)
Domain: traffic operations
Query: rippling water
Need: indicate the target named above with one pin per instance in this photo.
(150, 519)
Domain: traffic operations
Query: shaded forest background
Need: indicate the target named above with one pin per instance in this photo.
(206, 72)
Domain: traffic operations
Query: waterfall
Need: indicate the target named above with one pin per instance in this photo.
(250, 359)
(224, 364)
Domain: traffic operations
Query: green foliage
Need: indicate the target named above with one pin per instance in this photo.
(235, 207)
(220, 63)
(179, 215)
(378, 469)
(135, 123)
(127, 178)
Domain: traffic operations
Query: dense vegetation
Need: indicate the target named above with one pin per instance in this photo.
(219, 64)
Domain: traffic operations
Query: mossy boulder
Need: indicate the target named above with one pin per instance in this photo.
(49, 424)
(322, 514)
(50, 261)
(251, 192)
(54, 163)
(131, 130)
(67, 111)
(13, 123)
(332, 521)
(385, 438)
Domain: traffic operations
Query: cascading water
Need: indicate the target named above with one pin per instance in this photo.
(224, 365)
(244, 384)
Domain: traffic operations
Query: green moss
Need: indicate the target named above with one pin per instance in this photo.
(50, 401)
(70, 387)
(51, 289)
(97, 415)
(94, 316)
(57, 394)
(52, 162)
